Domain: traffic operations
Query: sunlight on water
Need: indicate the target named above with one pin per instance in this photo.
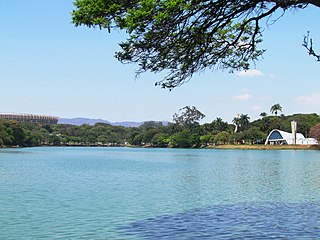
(124, 193)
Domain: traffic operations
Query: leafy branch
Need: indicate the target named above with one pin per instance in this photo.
(184, 37)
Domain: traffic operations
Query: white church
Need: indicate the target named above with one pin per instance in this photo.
(278, 137)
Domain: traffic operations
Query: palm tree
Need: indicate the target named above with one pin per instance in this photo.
(241, 122)
(244, 121)
(263, 114)
(219, 124)
(275, 108)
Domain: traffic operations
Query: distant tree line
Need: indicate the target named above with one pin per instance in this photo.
(184, 132)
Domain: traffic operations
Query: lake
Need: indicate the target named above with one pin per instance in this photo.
(136, 193)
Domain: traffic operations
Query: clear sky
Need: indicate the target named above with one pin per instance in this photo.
(48, 66)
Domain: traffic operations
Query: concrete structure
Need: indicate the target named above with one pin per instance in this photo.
(31, 118)
(294, 131)
(278, 137)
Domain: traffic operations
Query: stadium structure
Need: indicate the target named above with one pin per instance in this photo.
(30, 118)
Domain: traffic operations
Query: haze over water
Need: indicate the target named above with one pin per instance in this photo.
(127, 193)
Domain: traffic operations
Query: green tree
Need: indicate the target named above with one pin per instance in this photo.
(152, 124)
(161, 140)
(102, 139)
(189, 117)
(172, 128)
(185, 139)
(206, 140)
(254, 135)
(267, 124)
(207, 128)
(219, 125)
(18, 133)
(55, 140)
(32, 138)
(241, 122)
(222, 138)
(113, 138)
(244, 121)
(137, 139)
(275, 108)
(5, 135)
(237, 138)
(149, 134)
(263, 114)
(186, 36)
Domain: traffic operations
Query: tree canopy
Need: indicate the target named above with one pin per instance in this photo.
(275, 108)
(182, 37)
(156, 134)
(315, 132)
(189, 115)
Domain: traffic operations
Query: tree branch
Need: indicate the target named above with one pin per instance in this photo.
(308, 44)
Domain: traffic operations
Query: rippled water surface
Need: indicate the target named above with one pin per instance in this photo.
(124, 193)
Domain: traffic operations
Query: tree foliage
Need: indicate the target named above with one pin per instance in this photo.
(219, 125)
(189, 116)
(241, 122)
(182, 37)
(263, 114)
(275, 108)
(222, 137)
(185, 139)
(315, 132)
(267, 124)
(153, 134)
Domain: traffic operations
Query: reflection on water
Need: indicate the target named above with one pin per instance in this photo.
(13, 151)
(237, 221)
(124, 193)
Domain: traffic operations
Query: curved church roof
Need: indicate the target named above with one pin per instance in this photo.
(279, 136)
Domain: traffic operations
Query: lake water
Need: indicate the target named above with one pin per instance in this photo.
(133, 193)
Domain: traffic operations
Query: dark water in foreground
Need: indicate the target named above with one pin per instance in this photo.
(123, 193)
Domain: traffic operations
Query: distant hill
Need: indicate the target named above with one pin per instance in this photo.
(89, 121)
(127, 124)
(81, 121)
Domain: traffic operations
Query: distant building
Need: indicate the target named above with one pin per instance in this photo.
(278, 137)
(31, 118)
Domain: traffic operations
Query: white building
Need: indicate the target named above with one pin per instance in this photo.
(278, 137)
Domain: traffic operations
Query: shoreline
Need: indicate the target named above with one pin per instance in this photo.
(226, 147)
(267, 147)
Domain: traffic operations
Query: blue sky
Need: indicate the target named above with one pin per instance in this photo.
(48, 66)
